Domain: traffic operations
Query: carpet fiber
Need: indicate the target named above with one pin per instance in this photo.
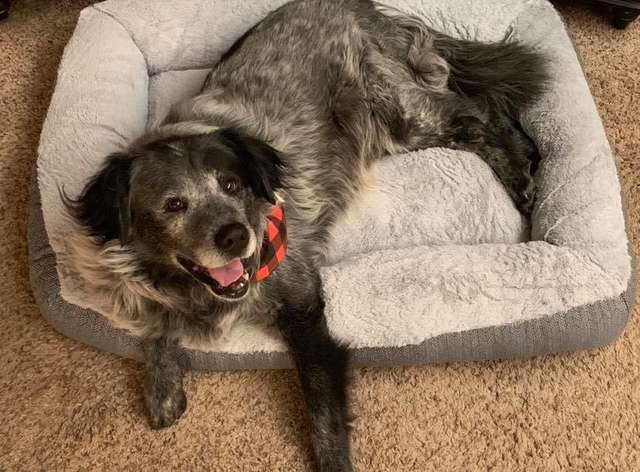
(65, 406)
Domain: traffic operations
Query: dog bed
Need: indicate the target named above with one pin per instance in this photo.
(433, 263)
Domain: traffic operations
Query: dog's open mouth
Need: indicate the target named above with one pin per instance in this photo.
(228, 281)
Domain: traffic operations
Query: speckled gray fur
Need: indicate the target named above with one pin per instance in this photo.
(459, 290)
(302, 123)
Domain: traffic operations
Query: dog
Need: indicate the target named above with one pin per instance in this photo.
(223, 213)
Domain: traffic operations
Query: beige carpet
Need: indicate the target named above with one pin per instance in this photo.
(64, 406)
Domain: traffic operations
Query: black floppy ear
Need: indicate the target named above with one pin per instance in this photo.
(264, 166)
(103, 205)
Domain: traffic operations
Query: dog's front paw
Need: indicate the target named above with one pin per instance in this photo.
(164, 406)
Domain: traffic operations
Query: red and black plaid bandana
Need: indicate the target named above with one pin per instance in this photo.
(274, 246)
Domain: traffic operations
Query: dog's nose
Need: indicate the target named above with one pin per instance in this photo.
(232, 238)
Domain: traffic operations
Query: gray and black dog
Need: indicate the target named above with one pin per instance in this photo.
(170, 231)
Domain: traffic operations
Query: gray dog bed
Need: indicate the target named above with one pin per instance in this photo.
(432, 263)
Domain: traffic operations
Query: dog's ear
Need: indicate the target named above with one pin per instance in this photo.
(103, 205)
(264, 167)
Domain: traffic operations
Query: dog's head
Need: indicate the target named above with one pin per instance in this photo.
(191, 203)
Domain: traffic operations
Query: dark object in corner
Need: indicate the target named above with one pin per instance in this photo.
(622, 16)
(623, 11)
(4, 9)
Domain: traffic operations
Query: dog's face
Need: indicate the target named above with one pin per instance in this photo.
(196, 204)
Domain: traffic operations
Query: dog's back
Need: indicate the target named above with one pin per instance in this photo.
(335, 84)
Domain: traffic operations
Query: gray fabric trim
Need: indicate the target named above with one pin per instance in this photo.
(585, 327)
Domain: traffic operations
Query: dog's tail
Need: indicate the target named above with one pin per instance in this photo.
(505, 76)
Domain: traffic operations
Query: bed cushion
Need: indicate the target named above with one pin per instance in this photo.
(465, 276)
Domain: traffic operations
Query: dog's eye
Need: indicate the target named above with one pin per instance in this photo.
(230, 185)
(175, 204)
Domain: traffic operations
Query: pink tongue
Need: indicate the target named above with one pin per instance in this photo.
(228, 274)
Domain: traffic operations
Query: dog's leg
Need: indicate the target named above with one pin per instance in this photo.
(507, 152)
(322, 368)
(164, 396)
